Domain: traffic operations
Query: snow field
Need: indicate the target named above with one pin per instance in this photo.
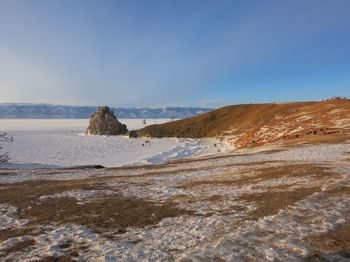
(58, 143)
(217, 229)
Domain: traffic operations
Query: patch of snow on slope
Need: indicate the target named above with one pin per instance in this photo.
(278, 237)
(80, 195)
(8, 217)
(185, 148)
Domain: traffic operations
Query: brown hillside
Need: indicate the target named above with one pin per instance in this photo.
(259, 124)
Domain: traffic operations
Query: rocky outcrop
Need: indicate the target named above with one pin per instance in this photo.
(104, 122)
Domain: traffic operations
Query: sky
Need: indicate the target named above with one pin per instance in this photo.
(173, 53)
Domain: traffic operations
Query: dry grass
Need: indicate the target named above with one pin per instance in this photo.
(113, 212)
(320, 139)
(58, 259)
(269, 203)
(266, 173)
(277, 197)
(332, 242)
(25, 194)
(246, 121)
(221, 120)
(18, 247)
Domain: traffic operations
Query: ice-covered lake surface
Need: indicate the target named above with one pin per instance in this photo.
(62, 143)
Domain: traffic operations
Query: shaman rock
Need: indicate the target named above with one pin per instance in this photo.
(104, 122)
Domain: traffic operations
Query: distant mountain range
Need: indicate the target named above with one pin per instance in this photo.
(47, 111)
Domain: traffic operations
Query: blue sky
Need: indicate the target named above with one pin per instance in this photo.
(173, 53)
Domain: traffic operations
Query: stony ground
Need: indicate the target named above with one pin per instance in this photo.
(282, 204)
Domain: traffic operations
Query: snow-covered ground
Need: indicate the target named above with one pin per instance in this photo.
(285, 204)
(246, 206)
(62, 143)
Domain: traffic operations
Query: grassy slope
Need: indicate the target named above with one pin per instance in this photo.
(220, 120)
(250, 121)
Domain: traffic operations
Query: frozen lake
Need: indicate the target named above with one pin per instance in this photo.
(60, 142)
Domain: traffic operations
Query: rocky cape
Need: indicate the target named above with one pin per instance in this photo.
(104, 122)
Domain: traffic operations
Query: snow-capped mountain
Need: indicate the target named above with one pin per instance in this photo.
(47, 111)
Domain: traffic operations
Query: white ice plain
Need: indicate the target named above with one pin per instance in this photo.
(61, 143)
